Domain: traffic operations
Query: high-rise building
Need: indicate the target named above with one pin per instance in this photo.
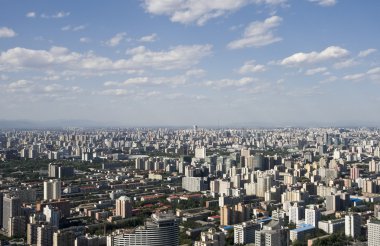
(377, 211)
(162, 229)
(1, 209)
(52, 189)
(244, 233)
(16, 226)
(333, 202)
(59, 171)
(91, 240)
(63, 238)
(195, 184)
(231, 215)
(354, 173)
(52, 215)
(123, 207)
(31, 233)
(200, 152)
(312, 216)
(11, 208)
(296, 213)
(373, 232)
(278, 237)
(352, 225)
(264, 183)
(45, 235)
(211, 237)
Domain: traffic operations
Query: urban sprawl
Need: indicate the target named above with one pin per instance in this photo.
(195, 186)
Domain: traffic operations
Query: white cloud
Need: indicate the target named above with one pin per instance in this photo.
(74, 28)
(6, 32)
(26, 86)
(114, 92)
(258, 34)
(229, 82)
(115, 40)
(85, 40)
(346, 63)
(31, 14)
(60, 58)
(356, 76)
(198, 11)
(195, 73)
(251, 67)
(177, 57)
(329, 80)
(58, 15)
(168, 80)
(315, 70)
(20, 85)
(325, 3)
(365, 53)
(149, 38)
(372, 74)
(66, 28)
(79, 28)
(331, 52)
(136, 81)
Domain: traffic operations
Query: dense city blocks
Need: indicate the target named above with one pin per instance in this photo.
(200, 186)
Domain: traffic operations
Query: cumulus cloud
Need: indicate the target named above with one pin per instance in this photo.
(315, 70)
(331, 52)
(149, 38)
(229, 82)
(365, 53)
(6, 32)
(325, 3)
(115, 40)
(31, 14)
(251, 67)
(198, 11)
(258, 34)
(61, 58)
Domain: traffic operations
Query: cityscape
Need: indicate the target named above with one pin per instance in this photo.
(189, 122)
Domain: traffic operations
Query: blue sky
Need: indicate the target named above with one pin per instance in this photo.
(185, 62)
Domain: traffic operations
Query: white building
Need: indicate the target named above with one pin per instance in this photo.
(332, 226)
(244, 233)
(312, 216)
(373, 232)
(52, 189)
(352, 225)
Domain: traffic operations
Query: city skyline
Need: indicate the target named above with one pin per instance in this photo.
(179, 63)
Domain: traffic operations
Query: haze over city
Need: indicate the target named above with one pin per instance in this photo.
(176, 63)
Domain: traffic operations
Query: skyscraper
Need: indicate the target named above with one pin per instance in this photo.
(52, 189)
(11, 208)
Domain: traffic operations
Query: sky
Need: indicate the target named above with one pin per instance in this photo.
(186, 62)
